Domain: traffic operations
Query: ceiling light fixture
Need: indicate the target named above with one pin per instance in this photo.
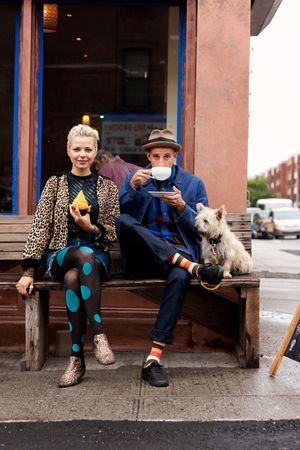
(50, 15)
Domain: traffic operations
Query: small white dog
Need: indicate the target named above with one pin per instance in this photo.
(219, 244)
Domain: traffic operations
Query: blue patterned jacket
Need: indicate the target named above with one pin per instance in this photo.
(136, 201)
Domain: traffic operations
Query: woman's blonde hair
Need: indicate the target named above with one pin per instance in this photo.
(82, 130)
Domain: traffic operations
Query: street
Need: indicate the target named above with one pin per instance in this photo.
(277, 256)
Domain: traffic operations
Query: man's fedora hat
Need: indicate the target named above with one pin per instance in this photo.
(161, 138)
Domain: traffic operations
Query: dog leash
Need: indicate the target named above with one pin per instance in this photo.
(216, 260)
(209, 287)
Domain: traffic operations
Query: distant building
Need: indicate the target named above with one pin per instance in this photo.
(284, 179)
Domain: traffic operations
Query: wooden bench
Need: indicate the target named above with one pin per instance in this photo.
(232, 310)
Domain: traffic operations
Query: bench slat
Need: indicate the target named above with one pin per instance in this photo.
(11, 256)
(14, 228)
(17, 219)
(18, 237)
(11, 246)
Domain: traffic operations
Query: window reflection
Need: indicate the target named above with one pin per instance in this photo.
(7, 57)
(113, 68)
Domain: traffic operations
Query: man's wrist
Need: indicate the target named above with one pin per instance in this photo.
(133, 185)
(181, 207)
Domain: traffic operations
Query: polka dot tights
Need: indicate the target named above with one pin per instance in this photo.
(78, 269)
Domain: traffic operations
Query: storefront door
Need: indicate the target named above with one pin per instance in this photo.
(113, 67)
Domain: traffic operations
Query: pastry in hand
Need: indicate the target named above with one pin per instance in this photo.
(81, 202)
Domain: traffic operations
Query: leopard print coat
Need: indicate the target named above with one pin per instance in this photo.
(50, 225)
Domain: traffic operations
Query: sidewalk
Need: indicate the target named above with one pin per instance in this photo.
(203, 387)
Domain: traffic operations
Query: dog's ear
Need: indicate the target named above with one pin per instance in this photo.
(199, 207)
(220, 212)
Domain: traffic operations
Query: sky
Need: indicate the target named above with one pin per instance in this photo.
(274, 101)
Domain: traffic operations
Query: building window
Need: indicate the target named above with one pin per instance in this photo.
(113, 67)
(7, 96)
(136, 77)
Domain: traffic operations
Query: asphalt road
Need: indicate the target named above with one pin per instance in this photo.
(277, 256)
(89, 435)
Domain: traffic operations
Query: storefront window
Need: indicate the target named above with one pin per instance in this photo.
(115, 65)
(7, 86)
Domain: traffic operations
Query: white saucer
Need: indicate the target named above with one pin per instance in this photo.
(161, 193)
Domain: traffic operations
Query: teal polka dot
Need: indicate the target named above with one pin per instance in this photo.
(85, 292)
(70, 327)
(97, 318)
(87, 268)
(83, 338)
(86, 249)
(60, 256)
(72, 300)
(75, 348)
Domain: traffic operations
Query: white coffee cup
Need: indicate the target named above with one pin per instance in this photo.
(161, 173)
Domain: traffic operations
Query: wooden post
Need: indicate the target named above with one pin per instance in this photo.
(36, 330)
(252, 328)
(189, 88)
(27, 108)
(284, 343)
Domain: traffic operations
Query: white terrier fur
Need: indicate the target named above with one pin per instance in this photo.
(219, 244)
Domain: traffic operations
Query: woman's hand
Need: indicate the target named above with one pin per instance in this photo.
(140, 177)
(25, 286)
(83, 222)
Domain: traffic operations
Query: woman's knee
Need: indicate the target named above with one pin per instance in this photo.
(84, 256)
(71, 278)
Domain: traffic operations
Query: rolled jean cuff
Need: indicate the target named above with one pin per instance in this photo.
(162, 336)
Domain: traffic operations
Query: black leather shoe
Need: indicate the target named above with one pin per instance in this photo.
(155, 375)
(210, 273)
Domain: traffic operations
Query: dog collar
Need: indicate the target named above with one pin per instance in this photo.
(215, 241)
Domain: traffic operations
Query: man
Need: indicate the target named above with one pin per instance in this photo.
(113, 167)
(157, 238)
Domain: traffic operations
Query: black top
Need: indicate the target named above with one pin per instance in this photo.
(88, 184)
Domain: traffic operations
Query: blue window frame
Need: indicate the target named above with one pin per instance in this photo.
(9, 75)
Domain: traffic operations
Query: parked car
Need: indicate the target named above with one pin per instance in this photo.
(253, 211)
(272, 203)
(258, 228)
(284, 222)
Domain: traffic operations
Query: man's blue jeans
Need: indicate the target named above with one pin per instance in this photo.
(146, 256)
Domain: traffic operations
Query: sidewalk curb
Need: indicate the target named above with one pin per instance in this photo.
(268, 274)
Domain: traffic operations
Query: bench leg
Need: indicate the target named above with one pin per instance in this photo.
(248, 352)
(36, 330)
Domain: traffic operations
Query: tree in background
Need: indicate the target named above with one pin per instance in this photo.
(258, 188)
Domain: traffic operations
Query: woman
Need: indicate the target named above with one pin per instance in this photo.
(73, 246)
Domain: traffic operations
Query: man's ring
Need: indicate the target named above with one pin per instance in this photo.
(31, 286)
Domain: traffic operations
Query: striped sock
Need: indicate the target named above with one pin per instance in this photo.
(191, 267)
(155, 353)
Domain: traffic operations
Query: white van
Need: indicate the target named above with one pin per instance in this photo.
(273, 203)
